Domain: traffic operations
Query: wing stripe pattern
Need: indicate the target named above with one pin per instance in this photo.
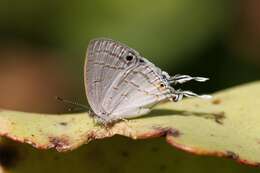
(116, 88)
(102, 65)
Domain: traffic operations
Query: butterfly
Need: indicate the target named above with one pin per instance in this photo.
(122, 84)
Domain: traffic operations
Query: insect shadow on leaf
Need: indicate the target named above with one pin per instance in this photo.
(218, 117)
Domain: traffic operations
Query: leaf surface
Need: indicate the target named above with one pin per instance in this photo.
(228, 126)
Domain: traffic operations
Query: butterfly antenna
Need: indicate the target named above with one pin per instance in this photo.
(72, 103)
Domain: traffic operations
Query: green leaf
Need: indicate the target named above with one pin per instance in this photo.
(228, 125)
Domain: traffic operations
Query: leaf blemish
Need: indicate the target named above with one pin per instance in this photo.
(59, 142)
(63, 123)
(216, 101)
(168, 131)
(232, 155)
(174, 132)
(219, 117)
(258, 141)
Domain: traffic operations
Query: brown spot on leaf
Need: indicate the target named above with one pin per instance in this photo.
(219, 117)
(258, 141)
(174, 132)
(216, 101)
(59, 142)
(164, 131)
(8, 156)
(232, 155)
(63, 123)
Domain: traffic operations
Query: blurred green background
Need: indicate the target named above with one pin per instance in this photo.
(43, 44)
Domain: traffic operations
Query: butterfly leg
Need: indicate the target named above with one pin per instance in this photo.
(180, 79)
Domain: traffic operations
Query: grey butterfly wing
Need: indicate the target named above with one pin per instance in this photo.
(103, 64)
(135, 91)
(118, 86)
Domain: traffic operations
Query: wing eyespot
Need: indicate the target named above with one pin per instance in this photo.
(162, 85)
(129, 57)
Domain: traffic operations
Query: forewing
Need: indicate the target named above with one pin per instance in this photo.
(103, 64)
